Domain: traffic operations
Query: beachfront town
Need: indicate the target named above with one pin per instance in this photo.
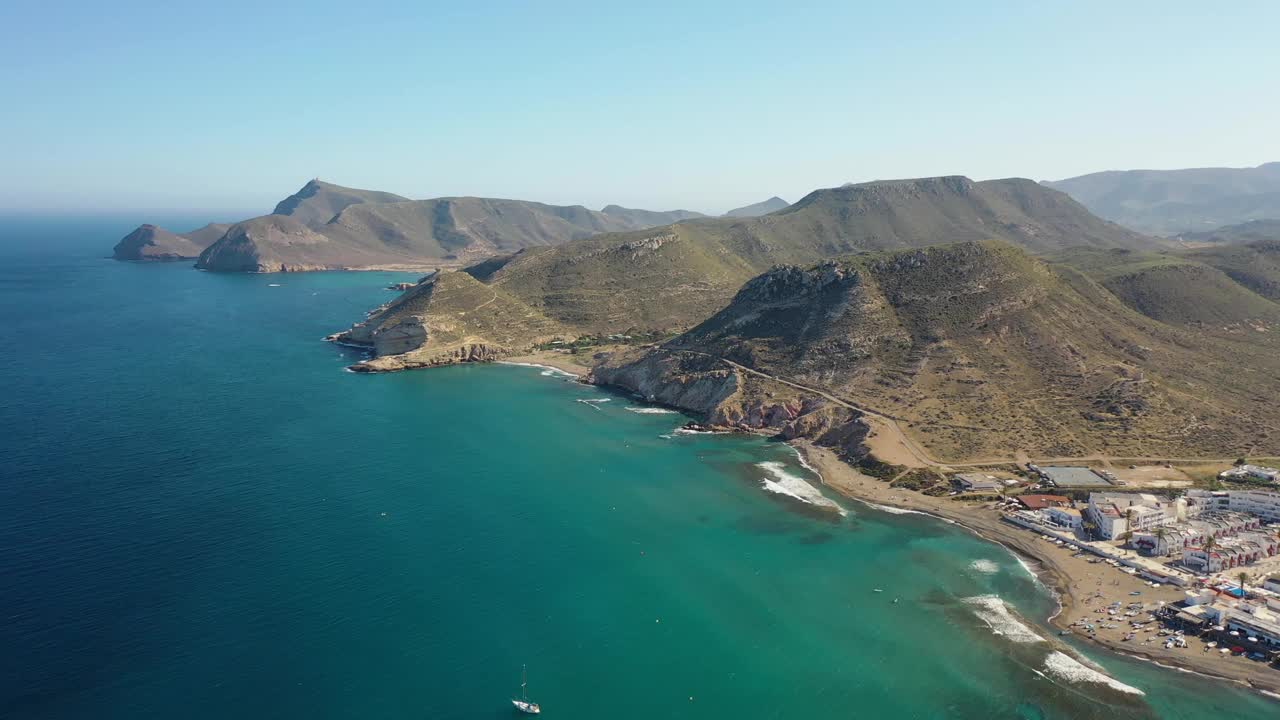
(1212, 553)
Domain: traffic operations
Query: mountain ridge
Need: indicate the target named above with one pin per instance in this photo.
(1169, 202)
(764, 207)
(667, 279)
(975, 348)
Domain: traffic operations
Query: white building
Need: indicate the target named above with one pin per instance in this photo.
(1064, 517)
(1231, 552)
(1251, 472)
(1263, 503)
(1117, 513)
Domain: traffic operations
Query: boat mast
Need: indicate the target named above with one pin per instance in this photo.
(524, 692)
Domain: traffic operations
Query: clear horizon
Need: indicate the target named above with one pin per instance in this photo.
(229, 109)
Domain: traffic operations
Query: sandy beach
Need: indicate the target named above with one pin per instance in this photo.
(1084, 589)
(572, 364)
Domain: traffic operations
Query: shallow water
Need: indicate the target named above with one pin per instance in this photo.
(203, 516)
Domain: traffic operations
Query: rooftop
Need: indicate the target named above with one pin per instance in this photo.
(1074, 476)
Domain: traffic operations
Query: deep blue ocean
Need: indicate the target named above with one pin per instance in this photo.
(203, 516)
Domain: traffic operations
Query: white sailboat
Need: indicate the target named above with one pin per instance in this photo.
(523, 704)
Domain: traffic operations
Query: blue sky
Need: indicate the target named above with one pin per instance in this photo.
(232, 106)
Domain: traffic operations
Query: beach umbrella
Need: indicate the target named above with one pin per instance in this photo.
(1253, 639)
(1235, 633)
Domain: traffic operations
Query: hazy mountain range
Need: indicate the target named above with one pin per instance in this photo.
(764, 207)
(326, 226)
(986, 318)
(1171, 202)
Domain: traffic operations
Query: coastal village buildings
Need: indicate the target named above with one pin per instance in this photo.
(1263, 503)
(1115, 514)
(1231, 552)
(1064, 517)
(1172, 539)
(1255, 622)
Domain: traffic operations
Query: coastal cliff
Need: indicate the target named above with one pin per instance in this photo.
(150, 243)
(730, 398)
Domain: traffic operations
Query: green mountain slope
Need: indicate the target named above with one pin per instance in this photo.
(1252, 231)
(1174, 287)
(1254, 265)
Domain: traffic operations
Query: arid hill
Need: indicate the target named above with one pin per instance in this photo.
(668, 279)
(151, 243)
(764, 207)
(977, 349)
(325, 226)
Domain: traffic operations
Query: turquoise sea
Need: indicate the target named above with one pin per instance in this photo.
(203, 516)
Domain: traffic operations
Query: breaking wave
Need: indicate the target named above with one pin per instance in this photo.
(984, 566)
(547, 370)
(784, 483)
(996, 614)
(651, 410)
(1068, 668)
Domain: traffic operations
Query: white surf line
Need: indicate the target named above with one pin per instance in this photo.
(593, 404)
(549, 369)
(995, 613)
(784, 483)
(1072, 670)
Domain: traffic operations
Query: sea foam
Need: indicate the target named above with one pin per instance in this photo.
(1068, 668)
(779, 481)
(996, 614)
(651, 410)
(984, 566)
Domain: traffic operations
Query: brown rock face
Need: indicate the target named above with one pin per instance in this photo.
(463, 354)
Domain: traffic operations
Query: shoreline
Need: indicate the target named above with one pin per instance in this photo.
(549, 359)
(1063, 575)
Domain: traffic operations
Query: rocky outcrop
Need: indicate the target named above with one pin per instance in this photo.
(406, 335)
(272, 243)
(728, 398)
(149, 243)
(477, 353)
